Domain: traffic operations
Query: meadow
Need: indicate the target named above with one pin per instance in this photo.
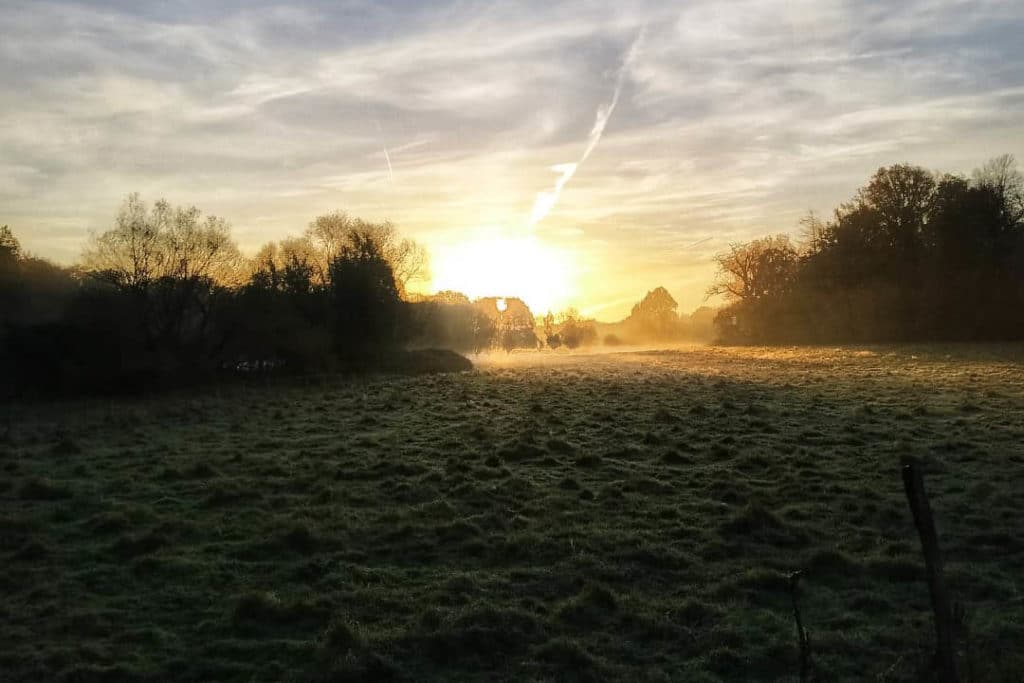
(627, 516)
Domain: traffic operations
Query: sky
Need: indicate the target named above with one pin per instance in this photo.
(583, 152)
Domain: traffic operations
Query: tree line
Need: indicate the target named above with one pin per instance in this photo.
(913, 256)
(165, 298)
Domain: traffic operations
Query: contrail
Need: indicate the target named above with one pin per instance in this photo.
(387, 157)
(694, 244)
(546, 201)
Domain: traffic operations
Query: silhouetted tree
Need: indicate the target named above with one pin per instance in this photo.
(574, 331)
(177, 265)
(551, 337)
(330, 233)
(513, 321)
(915, 255)
(756, 278)
(654, 317)
(32, 290)
(458, 326)
(1001, 177)
(165, 298)
(10, 254)
(37, 345)
(901, 198)
(612, 340)
(10, 248)
(759, 270)
(364, 297)
(279, 319)
(701, 324)
(485, 331)
(447, 296)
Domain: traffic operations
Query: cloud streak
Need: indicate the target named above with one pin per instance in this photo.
(387, 157)
(546, 201)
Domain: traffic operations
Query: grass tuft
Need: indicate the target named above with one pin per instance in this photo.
(263, 611)
(756, 522)
(39, 488)
(129, 546)
(570, 661)
(594, 606)
(66, 445)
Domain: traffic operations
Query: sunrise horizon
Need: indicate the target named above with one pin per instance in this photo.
(610, 151)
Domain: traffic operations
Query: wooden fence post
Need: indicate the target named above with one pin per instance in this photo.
(945, 655)
(803, 639)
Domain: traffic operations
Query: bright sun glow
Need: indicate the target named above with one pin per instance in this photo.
(523, 267)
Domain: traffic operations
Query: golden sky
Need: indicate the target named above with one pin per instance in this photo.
(576, 153)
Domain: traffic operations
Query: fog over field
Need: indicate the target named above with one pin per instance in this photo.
(620, 516)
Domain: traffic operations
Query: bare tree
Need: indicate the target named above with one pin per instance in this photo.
(328, 234)
(756, 270)
(1002, 176)
(267, 259)
(409, 261)
(301, 250)
(813, 233)
(9, 246)
(147, 245)
(130, 254)
(197, 247)
(448, 296)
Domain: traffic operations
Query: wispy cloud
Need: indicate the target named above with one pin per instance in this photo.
(727, 120)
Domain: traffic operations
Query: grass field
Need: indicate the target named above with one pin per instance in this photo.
(629, 516)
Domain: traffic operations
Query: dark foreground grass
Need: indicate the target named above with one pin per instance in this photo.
(628, 517)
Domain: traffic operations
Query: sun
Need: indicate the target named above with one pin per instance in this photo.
(525, 267)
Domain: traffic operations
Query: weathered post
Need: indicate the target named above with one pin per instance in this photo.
(945, 655)
(803, 638)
